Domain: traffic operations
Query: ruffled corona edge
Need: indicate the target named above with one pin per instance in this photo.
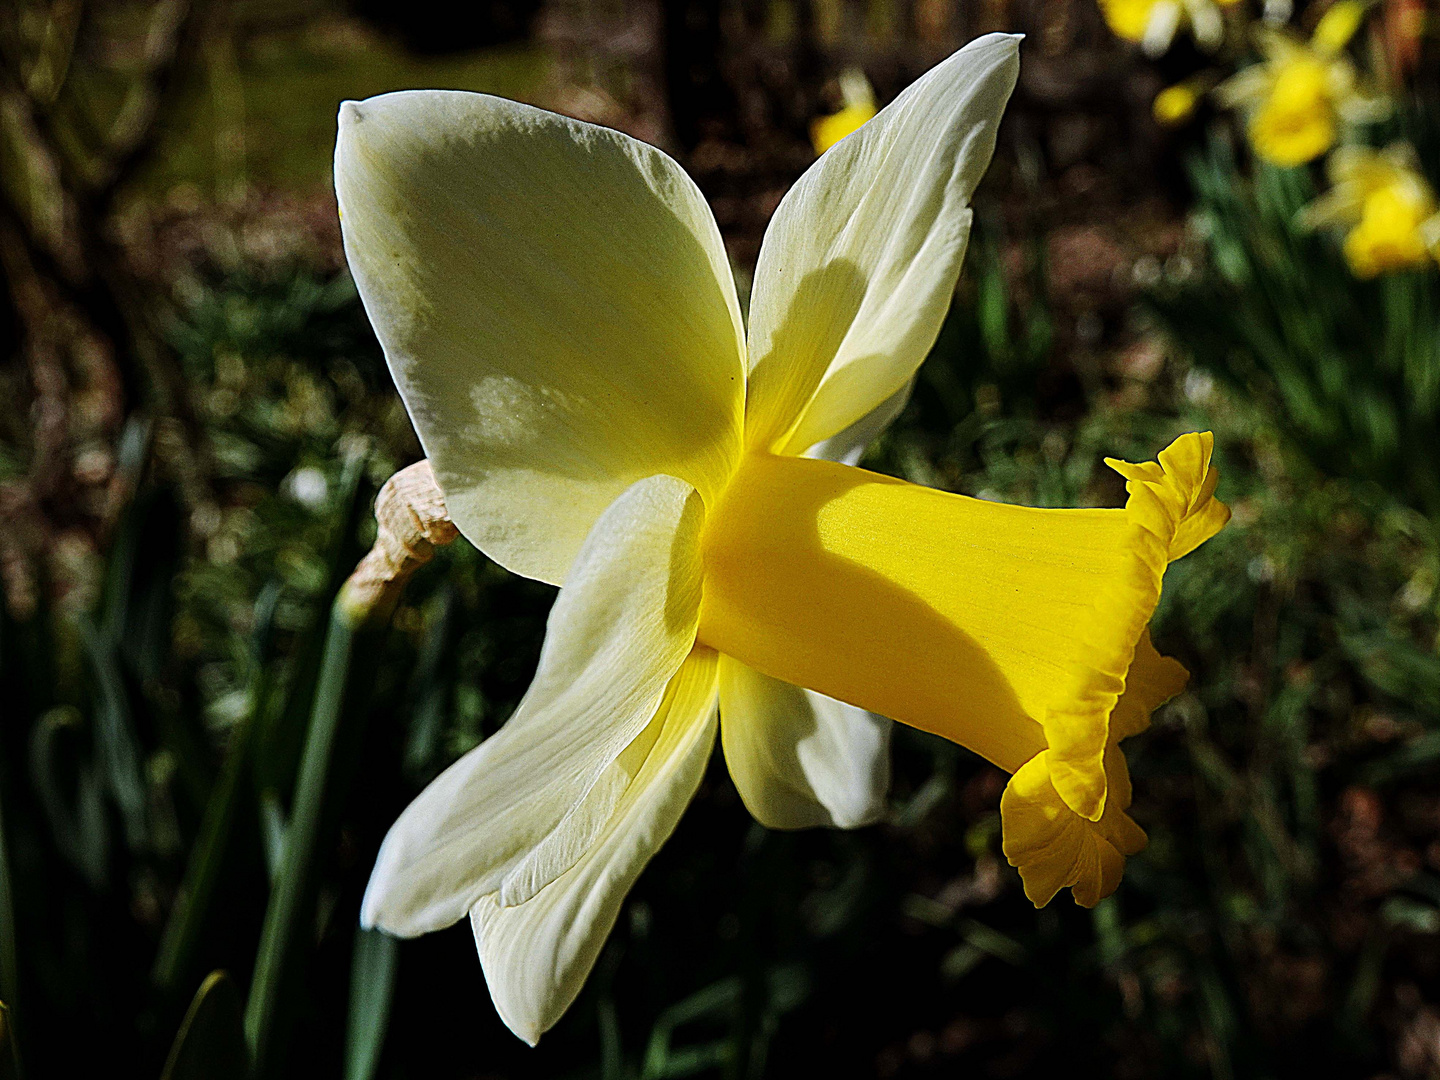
(1055, 848)
(1171, 510)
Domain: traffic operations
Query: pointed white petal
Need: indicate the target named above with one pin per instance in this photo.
(860, 260)
(1161, 29)
(537, 955)
(799, 758)
(621, 627)
(1206, 23)
(556, 307)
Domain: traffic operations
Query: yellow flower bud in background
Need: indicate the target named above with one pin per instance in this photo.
(1127, 18)
(1175, 104)
(1154, 23)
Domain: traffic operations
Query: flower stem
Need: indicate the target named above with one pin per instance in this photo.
(412, 521)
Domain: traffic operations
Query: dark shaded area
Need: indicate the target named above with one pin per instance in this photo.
(434, 27)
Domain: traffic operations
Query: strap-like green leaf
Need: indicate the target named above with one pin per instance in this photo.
(372, 984)
(211, 1041)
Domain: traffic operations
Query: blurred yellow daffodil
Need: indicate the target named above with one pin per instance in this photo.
(1175, 105)
(1302, 92)
(557, 309)
(859, 107)
(1154, 23)
(1389, 210)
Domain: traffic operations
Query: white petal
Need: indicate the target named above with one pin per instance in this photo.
(849, 446)
(859, 263)
(621, 627)
(537, 955)
(799, 758)
(556, 307)
(1162, 27)
(1206, 23)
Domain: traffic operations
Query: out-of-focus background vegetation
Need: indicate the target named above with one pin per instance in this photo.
(195, 416)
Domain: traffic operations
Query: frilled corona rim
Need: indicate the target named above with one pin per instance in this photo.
(1172, 509)
(1064, 812)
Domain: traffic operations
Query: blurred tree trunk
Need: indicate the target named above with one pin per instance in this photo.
(86, 337)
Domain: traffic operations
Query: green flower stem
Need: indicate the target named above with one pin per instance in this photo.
(372, 985)
(202, 873)
(281, 725)
(412, 520)
(290, 912)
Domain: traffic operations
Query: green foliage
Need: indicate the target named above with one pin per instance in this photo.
(1349, 370)
(372, 984)
(337, 723)
(211, 1042)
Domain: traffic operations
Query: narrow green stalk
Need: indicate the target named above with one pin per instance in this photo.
(410, 512)
(202, 873)
(372, 985)
(116, 744)
(211, 1042)
(281, 730)
(289, 912)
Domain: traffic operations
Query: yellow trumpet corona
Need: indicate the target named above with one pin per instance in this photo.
(1012, 631)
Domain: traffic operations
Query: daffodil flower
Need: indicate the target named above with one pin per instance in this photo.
(558, 311)
(1301, 94)
(859, 108)
(1154, 23)
(1389, 210)
(1176, 104)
